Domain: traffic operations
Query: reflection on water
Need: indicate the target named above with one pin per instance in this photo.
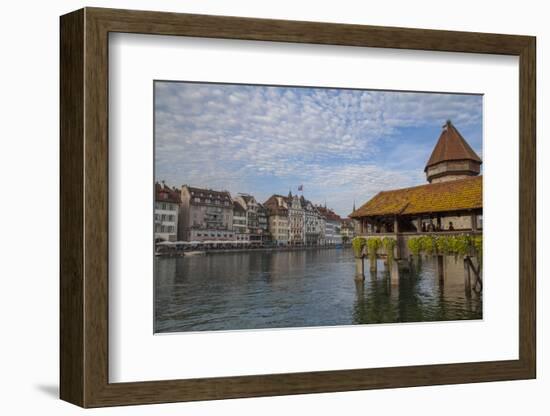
(300, 289)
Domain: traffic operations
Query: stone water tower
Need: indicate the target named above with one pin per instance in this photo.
(452, 157)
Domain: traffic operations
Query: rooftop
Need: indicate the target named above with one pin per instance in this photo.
(276, 205)
(462, 194)
(208, 193)
(328, 214)
(451, 146)
(247, 198)
(164, 193)
(238, 207)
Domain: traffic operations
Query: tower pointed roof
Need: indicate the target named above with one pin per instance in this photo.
(451, 146)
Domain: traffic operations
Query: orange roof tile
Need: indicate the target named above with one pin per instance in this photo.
(455, 195)
(451, 146)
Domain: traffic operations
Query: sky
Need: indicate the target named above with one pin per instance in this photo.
(342, 145)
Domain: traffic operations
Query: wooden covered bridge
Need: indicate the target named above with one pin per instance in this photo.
(450, 204)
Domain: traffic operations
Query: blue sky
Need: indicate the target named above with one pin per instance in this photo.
(340, 144)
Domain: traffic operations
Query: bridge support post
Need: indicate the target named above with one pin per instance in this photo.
(394, 273)
(440, 262)
(373, 265)
(359, 268)
(467, 278)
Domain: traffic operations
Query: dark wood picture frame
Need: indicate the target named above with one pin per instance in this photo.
(84, 207)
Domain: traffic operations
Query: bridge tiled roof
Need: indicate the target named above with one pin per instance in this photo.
(458, 195)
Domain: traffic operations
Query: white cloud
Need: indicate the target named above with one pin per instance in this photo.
(245, 138)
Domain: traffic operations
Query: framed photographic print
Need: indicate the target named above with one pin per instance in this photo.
(255, 207)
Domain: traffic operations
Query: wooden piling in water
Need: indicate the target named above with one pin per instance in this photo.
(478, 284)
(467, 278)
(394, 273)
(373, 265)
(441, 269)
(359, 268)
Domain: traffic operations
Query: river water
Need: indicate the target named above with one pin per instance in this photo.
(305, 288)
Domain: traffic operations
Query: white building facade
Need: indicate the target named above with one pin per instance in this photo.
(166, 213)
(278, 220)
(296, 221)
(239, 221)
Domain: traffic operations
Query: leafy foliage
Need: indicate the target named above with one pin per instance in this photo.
(373, 244)
(443, 245)
(478, 247)
(414, 245)
(389, 244)
(427, 244)
(358, 244)
(459, 245)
